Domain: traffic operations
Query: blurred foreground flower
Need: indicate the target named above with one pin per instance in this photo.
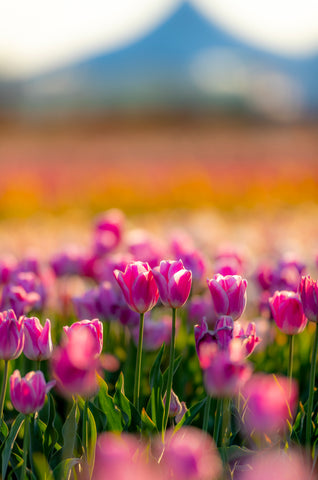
(288, 312)
(28, 393)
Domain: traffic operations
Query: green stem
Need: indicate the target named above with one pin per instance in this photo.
(218, 421)
(138, 362)
(38, 365)
(206, 414)
(4, 387)
(170, 371)
(226, 409)
(311, 388)
(26, 440)
(84, 429)
(290, 363)
(106, 331)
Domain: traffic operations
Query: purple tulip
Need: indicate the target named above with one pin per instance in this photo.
(37, 339)
(138, 286)
(174, 283)
(287, 311)
(228, 295)
(28, 393)
(11, 335)
(308, 290)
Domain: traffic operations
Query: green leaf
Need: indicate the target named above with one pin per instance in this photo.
(63, 470)
(122, 401)
(155, 372)
(156, 382)
(107, 406)
(147, 424)
(176, 365)
(92, 436)
(189, 416)
(41, 467)
(69, 430)
(17, 424)
(51, 435)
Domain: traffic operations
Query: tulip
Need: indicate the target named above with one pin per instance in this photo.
(269, 403)
(145, 248)
(288, 312)
(175, 405)
(248, 338)
(228, 295)
(37, 339)
(224, 331)
(108, 231)
(95, 327)
(11, 335)
(28, 393)
(138, 286)
(174, 283)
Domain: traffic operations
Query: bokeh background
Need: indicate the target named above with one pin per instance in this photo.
(153, 106)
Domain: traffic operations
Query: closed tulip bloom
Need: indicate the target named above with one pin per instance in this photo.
(174, 283)
(138, 286)
(95, 327)
(37, 339)
(308, 290)
(287, 311)
(228, 295)
(11, 335)
(28, 393)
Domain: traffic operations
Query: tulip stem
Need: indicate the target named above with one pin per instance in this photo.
(218, 420)
(170, 371)
(291, 355)
(206, 413)
(138, 362)
(26, 440)
(84, 429)
(4, 387)
(311, 389)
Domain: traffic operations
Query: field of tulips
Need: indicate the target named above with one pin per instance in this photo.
(146, 348)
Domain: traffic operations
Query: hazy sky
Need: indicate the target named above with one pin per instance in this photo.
(39, 34)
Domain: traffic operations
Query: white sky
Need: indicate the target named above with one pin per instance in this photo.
(40, 34)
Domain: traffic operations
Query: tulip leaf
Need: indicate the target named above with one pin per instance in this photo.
(51, 435)
(156, 403)
(69, 430)
(17, 424)
(63, 469)
(176, 365)
(147, 424)
(107, 406)
(122, 401)
(41, 467)
(92, 436)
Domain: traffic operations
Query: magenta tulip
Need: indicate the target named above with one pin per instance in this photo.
(37, 339)
(308, 290)
(174, 283)
(228, 295)
(28, 393)
(11, 335)
(288, 312)
(95, 327)
(138, 286)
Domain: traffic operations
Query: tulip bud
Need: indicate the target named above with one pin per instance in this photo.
(288, 312)
(174, 283)
(308, 290)
(175, 405)
(28, 393)
(228, 295)
(37, 339)
(138, 286)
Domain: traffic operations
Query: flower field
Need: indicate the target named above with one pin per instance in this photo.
(174, 336)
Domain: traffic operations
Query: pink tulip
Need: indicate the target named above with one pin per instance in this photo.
(308, 290)
(26, 292)
(95, 327)
(28, 393)
(37, 339)
(142, 247)
(228, 295)
(269, 402)
(138, 286)
(224, 331)
(108, 231)
(174, 283)
(288, 313)
(248, 338)
(277, 464)
(75, 364)
(11, 335)
(190, 454)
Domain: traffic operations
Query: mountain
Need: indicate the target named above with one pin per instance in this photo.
(187, 61)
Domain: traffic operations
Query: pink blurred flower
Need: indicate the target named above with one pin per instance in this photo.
(190, 454)
(108, 231)
(287, 311)
(95, 327)
(75, 363)
(174, 283)
(199, 307)
(8, 265)
(28, 393)
(308, 289)
(277, 464)
(25, 292)
(228, 295)
(228, 262)
(11, 335)
(269, 402)
(37, 339)
(145, 248)
(224, 331)
(123, 457)
(85, 306)
(138, 286)
(155, 332)
(68, 262)
(183, 248)
(248, 337)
